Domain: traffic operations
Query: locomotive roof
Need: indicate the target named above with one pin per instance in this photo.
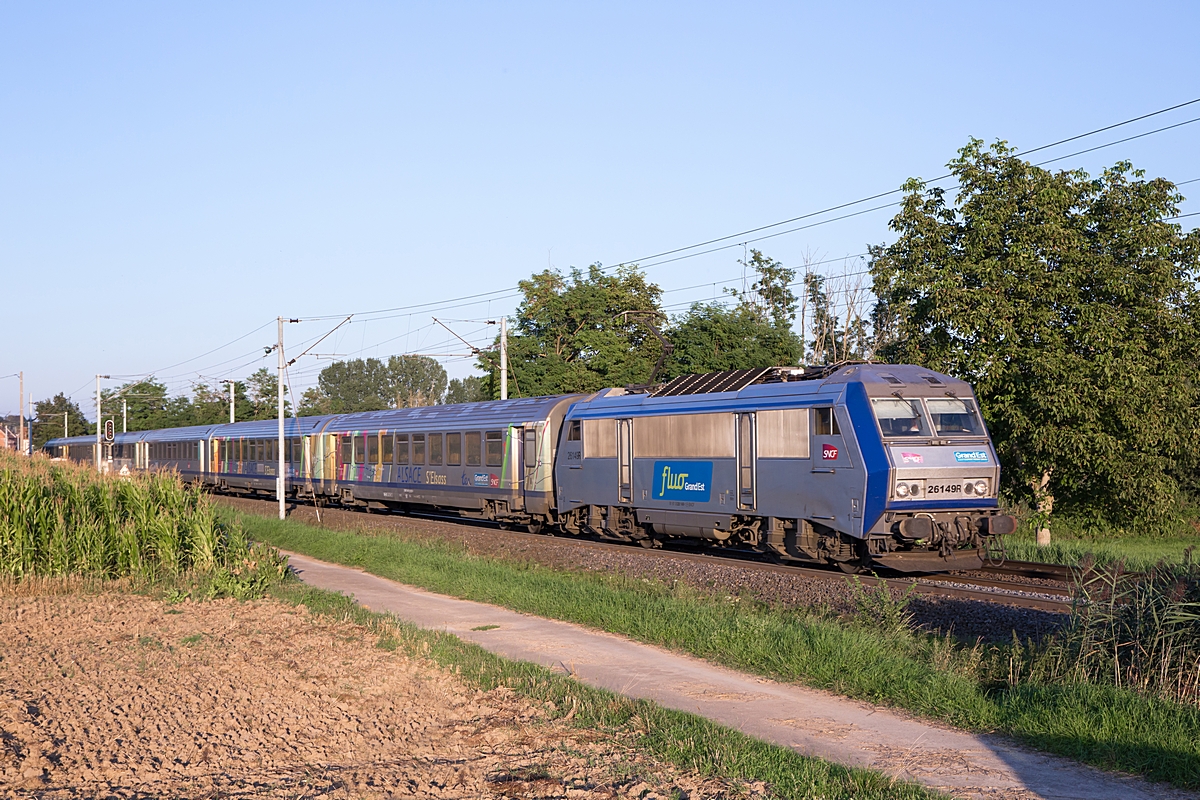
(799, 389)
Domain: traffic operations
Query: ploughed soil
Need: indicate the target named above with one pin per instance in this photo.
(107, 694)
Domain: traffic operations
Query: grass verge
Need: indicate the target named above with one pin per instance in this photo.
(684, 740)
(973, 688)
(1137, 552)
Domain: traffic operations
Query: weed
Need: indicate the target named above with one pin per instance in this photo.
(880, 609)
(485, 627)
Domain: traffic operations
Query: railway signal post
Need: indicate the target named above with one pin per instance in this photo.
(280, 483)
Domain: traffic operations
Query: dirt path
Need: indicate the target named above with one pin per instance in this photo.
(813, 722)
(119, 695)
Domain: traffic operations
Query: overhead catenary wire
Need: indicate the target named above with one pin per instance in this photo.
(681, 253)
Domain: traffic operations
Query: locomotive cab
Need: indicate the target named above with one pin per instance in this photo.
(940, 504)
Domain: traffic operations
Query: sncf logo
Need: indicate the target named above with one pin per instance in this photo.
(828, 452)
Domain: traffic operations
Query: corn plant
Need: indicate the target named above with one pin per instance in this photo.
(59, 518)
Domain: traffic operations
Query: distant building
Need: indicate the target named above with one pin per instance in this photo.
(8, 437)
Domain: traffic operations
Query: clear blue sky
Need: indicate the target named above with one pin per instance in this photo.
(173, 177)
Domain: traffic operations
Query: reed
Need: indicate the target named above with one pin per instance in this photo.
(61, 519)
(1137, 631)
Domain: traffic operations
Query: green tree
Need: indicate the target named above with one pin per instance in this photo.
(710, 338)
(48, 423)
(470, 389)
(770, 298)
(1071, 304)
(416, 381)
(262, 388)
(370, 384)
(569, 336)
(756, 332)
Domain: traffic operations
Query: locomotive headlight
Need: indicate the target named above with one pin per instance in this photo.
(901, 490)
(981, 487)
(914, 489)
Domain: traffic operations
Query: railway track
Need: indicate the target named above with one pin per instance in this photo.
(985, 585)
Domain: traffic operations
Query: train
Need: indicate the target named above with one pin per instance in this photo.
(860, 465)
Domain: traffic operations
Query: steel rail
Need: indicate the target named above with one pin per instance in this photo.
(922, 585)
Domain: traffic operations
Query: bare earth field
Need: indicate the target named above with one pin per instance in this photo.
(118, 695)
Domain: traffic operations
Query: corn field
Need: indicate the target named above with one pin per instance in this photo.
(58, 518)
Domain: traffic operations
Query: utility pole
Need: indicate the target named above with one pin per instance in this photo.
(231, 385)
(21, 414)
(31, 424)
(503, 358)
(124, 416)
(66, 424)
(280, 483)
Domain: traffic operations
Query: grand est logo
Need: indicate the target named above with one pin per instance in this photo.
(683, 480)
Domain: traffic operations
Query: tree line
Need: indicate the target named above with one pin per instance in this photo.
(1069, 302)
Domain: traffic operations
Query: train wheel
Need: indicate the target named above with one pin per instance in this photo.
(852, 567)
(536, 525)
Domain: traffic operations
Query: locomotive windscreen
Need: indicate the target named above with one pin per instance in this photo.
(954, 417)
(900, 417)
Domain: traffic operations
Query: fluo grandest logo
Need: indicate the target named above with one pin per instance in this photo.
(683, 480)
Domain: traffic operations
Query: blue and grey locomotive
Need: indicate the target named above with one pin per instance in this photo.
(858, 465)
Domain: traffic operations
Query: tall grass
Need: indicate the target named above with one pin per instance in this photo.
(59, 519)
(1134, 631)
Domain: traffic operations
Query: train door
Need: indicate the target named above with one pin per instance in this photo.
(625, 460)
(832, 478)
(747, 460)
(529, 459)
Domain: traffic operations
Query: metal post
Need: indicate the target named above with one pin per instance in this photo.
(231, 385)
(280, 484)
(124, 416)
(66, 424)
(503, 358)
(21, 414)
(31, 423)
(98, 423)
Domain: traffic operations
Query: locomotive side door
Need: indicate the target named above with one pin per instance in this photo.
(625, 460)
(747, 460)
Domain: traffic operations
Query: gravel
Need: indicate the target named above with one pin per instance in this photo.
(967, 620)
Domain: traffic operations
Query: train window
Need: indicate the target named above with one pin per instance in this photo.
(684, 436)
(574, 431)
(600, 438)
(372, 448)
(388, 443)
(347, 449)
(273, 451)
(474, 449)
(453, 449)
(401, 448)
(495, 448)
(435, 449)
(783, 433)
(418, 448)
(954, 417)
(899, 417)
(825, 422)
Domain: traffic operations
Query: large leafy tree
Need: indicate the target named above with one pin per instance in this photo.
(1071, 304)
(470, 389)
(373, 385)
(58, 415)
(570, 336)
(416, 381)
(756, 332)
